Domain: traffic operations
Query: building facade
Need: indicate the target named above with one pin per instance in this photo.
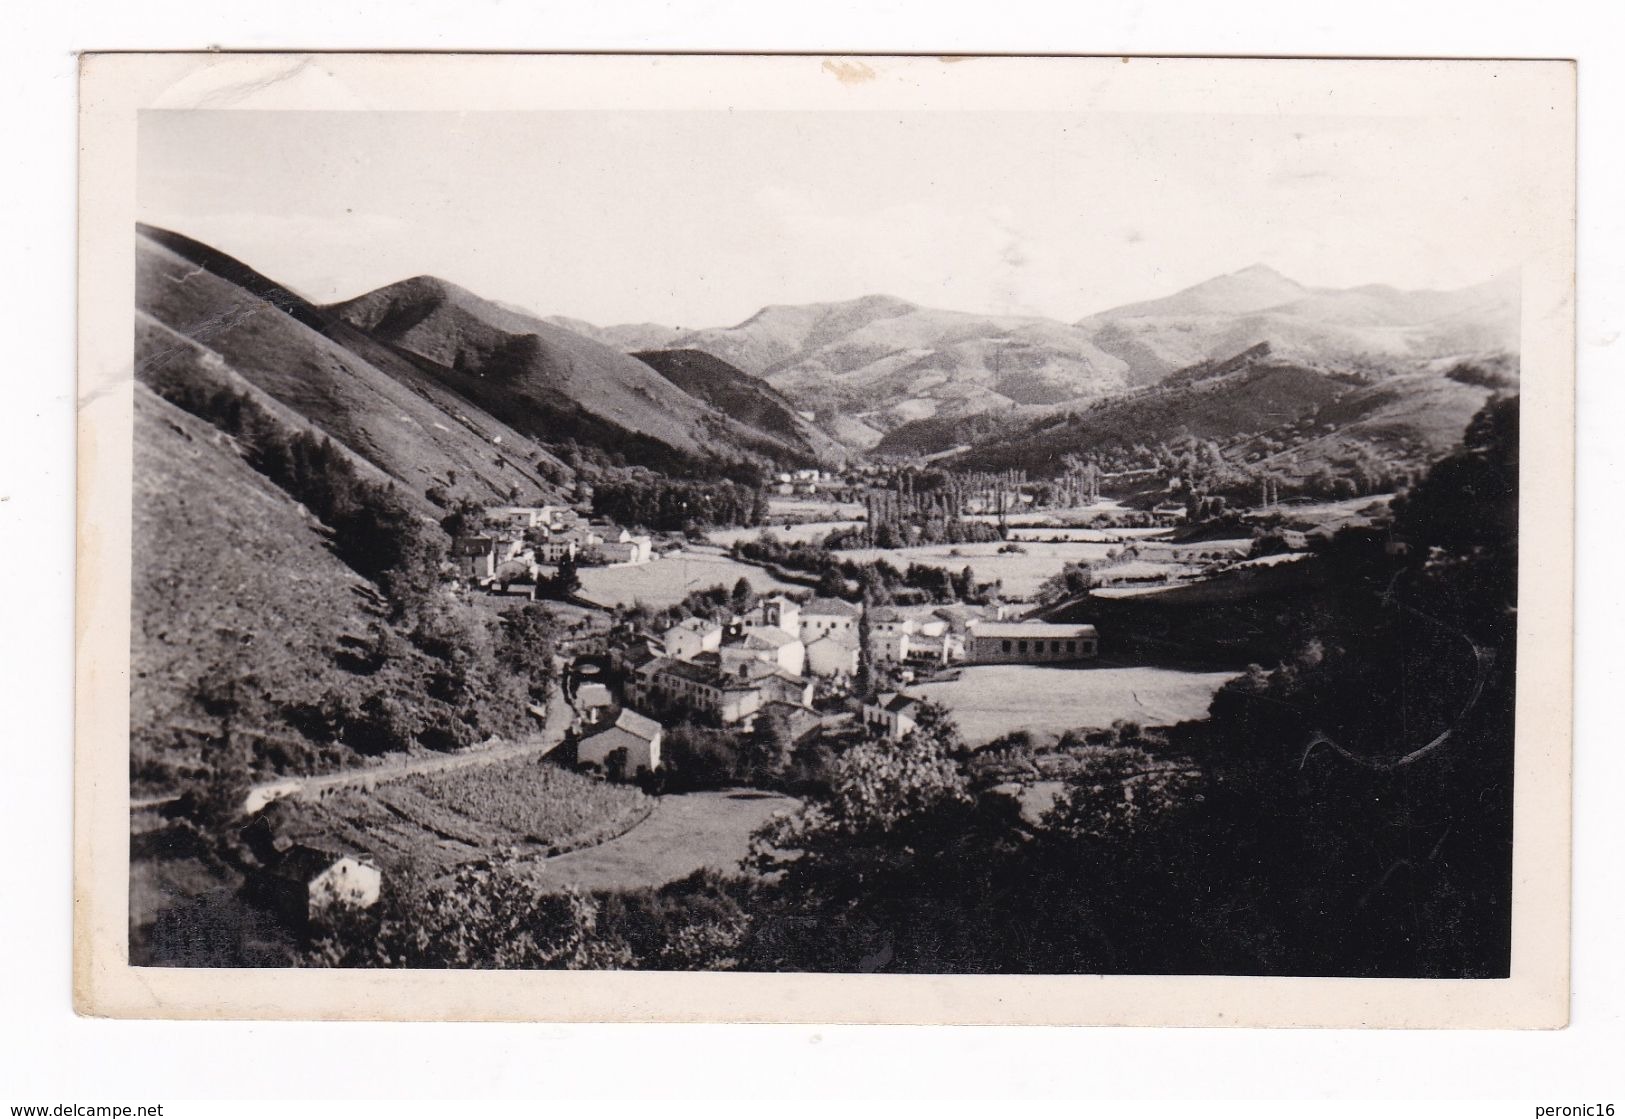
(829, 617)
(1030, 643)
(691, 637)
(893, 714)
(637, 734)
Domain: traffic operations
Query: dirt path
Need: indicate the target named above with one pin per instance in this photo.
(542, 742)
(536, 745)
(683, 834)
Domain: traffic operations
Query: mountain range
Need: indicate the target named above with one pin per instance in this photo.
(870, 365)
(436, 386)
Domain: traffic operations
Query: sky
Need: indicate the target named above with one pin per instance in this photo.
(697, 219)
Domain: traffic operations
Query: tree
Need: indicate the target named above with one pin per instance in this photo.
(743, 598)
(527, 648)
(769, 748)
(870, 854)
(484, 918)
(1073, 580)
(215, 800)
(863, 681)
(565, 582)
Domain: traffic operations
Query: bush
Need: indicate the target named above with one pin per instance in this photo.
(383, 724)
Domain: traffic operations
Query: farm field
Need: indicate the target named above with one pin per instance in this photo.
(812, 509)
(1077, 535)
(683, 834)
(1335, 514)
(1021, 573)
(992, 700)
(667, 581)
(1133, 590)
(439, 821)
(814, 531)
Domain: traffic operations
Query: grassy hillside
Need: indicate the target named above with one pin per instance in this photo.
(548, 382)
(419, 434)
(749, 400)
(170, 363)
(1260, 396)
(286, 616)
(1272, 415)
(233, 586)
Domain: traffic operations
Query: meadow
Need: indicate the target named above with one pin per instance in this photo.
(1021, 572)
(814, 531)
(991, 700)
(667, 581)
(683, 834)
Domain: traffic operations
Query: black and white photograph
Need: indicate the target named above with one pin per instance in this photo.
(965, 541)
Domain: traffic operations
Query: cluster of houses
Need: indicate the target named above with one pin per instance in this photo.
(895, 714)
(803, 481)
(760, 660)
(770, 658)
(516, 541)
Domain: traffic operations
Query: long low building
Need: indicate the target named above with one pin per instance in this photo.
(1030, 643)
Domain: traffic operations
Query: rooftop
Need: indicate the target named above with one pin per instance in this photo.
(697, 625)
(640, 725)
(768, 636)
(843, 638)
(594, 695)
(697, 671)
(837, 607)
(302, 863)
(1042, 630)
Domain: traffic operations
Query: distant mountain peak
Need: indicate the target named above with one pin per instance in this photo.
(881, 302)
(1254, 288)
(1264, 271)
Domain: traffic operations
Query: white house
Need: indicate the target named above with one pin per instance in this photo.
(891, 647)
(555, 549)
(625, 548)
(832, 656)
(305, 881)
(491, 555)
(563, 542)
(892, 713)
(821, 617)
(521, 517)
(733, 697)
(691, 637)
(889, 620)
(475, 557)
(594, 702)
(764, 643)
(637, 734)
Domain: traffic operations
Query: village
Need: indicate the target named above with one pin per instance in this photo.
(773, 655)
(816, 624)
